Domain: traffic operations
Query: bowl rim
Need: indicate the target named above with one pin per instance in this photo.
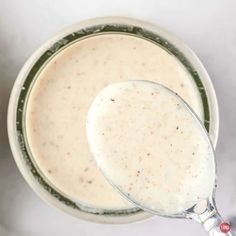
(14, 97)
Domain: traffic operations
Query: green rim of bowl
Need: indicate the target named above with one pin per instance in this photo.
(51, 52)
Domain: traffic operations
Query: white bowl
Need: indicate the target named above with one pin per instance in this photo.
(84, 29)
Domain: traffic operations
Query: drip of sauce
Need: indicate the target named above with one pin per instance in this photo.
(62, 94)
(151, 147)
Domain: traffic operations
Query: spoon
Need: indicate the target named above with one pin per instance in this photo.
(154, 150)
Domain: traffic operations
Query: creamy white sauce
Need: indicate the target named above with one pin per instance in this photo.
(62, 94)
(148, 143)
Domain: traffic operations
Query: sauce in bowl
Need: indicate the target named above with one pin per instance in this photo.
(62, 94)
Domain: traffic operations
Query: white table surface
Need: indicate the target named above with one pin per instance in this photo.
(207, 26)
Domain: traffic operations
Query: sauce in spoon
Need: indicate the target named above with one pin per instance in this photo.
(150, 145)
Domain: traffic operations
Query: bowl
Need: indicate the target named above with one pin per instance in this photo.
(27, 75)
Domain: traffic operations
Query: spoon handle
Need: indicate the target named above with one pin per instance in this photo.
(206, 214)
(215, 226)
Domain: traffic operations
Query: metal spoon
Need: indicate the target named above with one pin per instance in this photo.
(204, 212)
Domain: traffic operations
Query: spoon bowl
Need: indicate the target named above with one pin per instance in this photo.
(154, 150)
